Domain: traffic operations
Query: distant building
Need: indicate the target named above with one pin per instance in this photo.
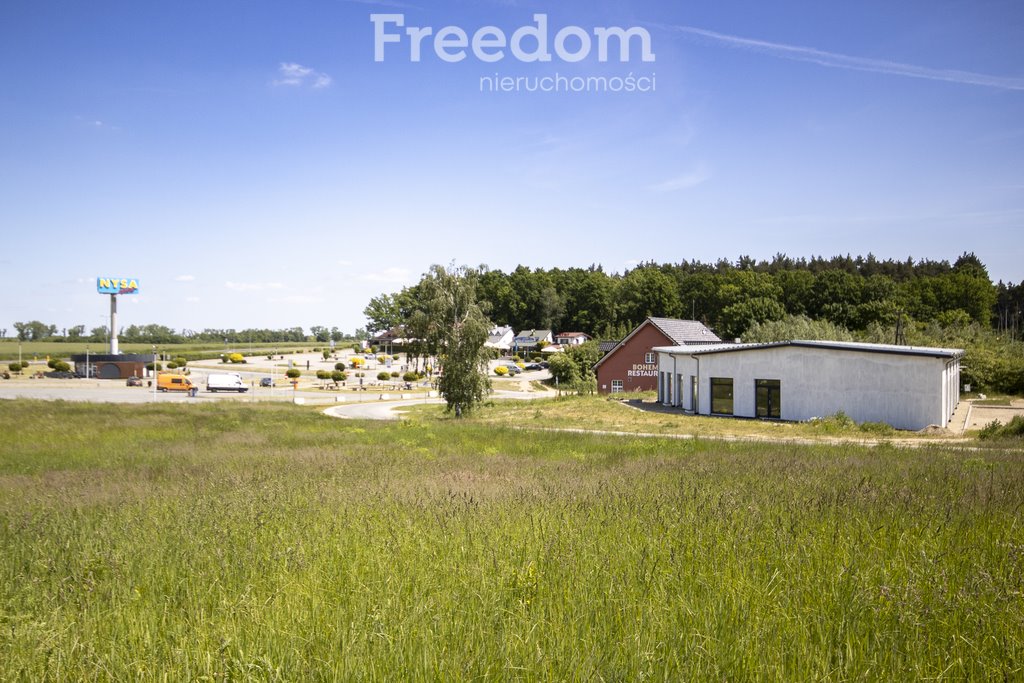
(111, 366)
(632, 364)
(528, 341)
(907, 387)
(500, 338)
(571, 338)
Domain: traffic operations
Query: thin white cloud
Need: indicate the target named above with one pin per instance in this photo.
(296, 75)
(296, 299)
(840, 61)
(683, 182)
(192, 299)
(252, 286)
(388, 275)
(185, 278)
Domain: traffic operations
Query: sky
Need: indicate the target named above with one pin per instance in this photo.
(277, 164)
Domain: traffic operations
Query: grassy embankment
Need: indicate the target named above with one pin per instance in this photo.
(270, 542)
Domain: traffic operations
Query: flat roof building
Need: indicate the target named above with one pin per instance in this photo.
(907, 387)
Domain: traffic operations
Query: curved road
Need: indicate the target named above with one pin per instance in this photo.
(390, 410)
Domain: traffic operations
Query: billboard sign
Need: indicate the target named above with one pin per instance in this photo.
(117, 285)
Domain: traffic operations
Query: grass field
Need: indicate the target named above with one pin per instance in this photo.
(269, 542)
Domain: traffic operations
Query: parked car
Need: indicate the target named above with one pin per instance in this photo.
(267, 382)
(513, 369)
(534, 366)
(134, 381)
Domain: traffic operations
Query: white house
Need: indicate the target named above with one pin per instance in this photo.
(905, 386)
(500, 338)
(572, 338)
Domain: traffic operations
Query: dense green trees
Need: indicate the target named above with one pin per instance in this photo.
(853, 293)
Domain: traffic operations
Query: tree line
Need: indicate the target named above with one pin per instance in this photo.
(35, 330)
(852, 293)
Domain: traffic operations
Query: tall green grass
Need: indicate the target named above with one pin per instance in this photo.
(268, 542)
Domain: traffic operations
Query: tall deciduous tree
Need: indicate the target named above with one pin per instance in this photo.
(456, 330)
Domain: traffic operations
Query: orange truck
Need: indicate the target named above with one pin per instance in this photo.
(166, 381)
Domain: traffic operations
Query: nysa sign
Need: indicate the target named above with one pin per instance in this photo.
(117, 285)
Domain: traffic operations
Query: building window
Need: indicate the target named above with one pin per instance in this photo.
(649, 357)
(616, 386)
(721, 395)
(768, 398)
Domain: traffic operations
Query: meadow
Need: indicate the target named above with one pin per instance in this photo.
(268, 542)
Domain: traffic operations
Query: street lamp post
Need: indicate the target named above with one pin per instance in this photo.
(87, 361)
(155, 381)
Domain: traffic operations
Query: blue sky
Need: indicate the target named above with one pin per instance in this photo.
(254, 166)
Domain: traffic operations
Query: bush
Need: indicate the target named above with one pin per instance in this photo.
(394, 375)
(327, 354)
(52, 363)
(181, 361)
(410, 377)
(236, 358)
(15, 367)
(997, 430)
(383, 376)
(293, 373)
(61, 366)
(501, 371)
(340, 367)
(357, 363)
(836, 422)
(394, 356)
(357, 348)
(380, 359)
(159, 367)
(171, 365)
(323, 374)
(338, 376)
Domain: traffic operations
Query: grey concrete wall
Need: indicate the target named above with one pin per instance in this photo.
(907, 392)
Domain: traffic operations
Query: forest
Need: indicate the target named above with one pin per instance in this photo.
(921, 302)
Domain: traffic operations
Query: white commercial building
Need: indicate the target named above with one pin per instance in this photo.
(905, 386)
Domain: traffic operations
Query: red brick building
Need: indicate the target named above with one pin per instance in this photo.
(633, 366)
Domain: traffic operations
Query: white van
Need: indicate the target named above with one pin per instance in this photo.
(225, 381)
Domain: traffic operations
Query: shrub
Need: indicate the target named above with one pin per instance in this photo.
(394, 356)
(836, 422)
(171, 365)
(380, 359)
(52, 363)
(323, 374)
(293, 373)
(394, 375)
(339, 366)
(327, 354)
(159, 367)
(357, 363)
(338, 376)
(15, 367)
(501, 371)
(996, 430)
(357, 348)
(61, 366)
(383, 376)
(410, 377)
(181, 361)
(236, 358)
